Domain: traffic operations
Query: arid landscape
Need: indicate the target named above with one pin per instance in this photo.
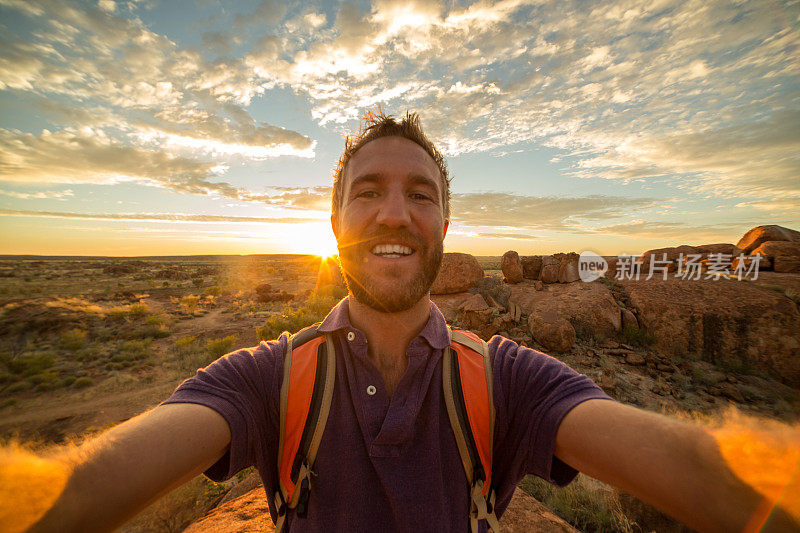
(88, 342)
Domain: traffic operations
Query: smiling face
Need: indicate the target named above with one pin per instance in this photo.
(390, 227)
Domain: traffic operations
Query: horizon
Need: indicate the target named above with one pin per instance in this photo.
(151, 128)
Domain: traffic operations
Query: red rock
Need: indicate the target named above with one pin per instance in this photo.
(589, 307)
(629, 320)
(551, 331)
(550, 268)
(531, 266)
(634, 359)
(783, 255)
(511, 266)
(713, 320)
(760, 234)
(475, 313)
(458, 273)
(568, 268)
(526, 515)
(722, 248)
(668, 254)
(249, 512)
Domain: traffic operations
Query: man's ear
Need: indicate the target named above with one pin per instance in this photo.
(446, 225)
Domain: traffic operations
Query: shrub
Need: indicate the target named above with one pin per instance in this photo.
(83, 382)
(73, 339)
(636, 336)
(189, 303)
(19, 386)
(30, 364)
(316, 307)
(219, 347)
(138, 310)
(197, 282)
(586, 503)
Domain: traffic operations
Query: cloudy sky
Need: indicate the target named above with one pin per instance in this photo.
(189, 127)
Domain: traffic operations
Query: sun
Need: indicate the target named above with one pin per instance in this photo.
(319, 240)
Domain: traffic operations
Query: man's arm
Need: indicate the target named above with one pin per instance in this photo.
(674, 465)
(118, 474)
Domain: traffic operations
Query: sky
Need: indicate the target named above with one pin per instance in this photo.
(204, 127)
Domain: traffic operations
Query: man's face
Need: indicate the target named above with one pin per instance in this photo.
(391, 227)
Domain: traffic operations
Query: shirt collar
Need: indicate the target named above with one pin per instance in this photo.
(435, 331)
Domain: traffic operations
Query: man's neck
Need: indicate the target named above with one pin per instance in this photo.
(389, 335)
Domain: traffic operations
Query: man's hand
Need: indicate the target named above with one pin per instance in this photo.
(674, 465)
(109, 479)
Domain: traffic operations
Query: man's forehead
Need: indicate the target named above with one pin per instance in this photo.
(388, 156)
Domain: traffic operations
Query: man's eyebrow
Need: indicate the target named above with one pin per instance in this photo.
(365, 178)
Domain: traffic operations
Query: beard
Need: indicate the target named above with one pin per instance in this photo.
(392, 292)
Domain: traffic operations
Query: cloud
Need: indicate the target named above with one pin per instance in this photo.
(622, 100)
(512, 236)
(88, 156)
(541, 212)
(157, 217)
(267, 13)
(42, 195)
(683, 231)
(103, 68)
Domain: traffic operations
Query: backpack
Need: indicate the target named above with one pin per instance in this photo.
(309, 370)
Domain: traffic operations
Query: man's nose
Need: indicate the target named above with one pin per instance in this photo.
(394, 211)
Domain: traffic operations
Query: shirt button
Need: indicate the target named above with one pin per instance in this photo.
(371, 390)
(351, 335)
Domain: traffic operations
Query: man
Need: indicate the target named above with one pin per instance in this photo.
(388, 460)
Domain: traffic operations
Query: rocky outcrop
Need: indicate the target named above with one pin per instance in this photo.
(588, 307)
(567, 267)
(551, 331)
(721, 320)
(531, 266)
(550, 267)
(250, 512)
(475, 312)
(458, 273)
(511, 267)
(671, 255)
(781, 256)
(761, 234)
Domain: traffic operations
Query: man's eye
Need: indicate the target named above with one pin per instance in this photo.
(367, 194)
(422, 197)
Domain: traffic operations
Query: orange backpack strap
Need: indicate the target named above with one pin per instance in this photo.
(467, 385)
(309, 370)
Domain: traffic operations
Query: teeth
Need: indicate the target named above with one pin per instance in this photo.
(391, 250)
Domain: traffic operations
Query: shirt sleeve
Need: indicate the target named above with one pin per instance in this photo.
(533, 392)
(243, 387)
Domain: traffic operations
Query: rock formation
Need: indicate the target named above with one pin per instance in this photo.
(511, 267)
(458, 273)
(761, 234)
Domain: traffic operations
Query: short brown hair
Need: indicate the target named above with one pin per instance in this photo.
(377, 125)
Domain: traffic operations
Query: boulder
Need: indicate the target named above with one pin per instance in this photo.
(526, 515)
(718, 320)
(669, 254)
(249, 512)
(531, 266)
(589, 307)
(550, 268)
(475, 312)
(629, 320)
(551, 331)
(493, 288)
(784, 256)
(458, 273)
(511, 266)
(722, 248)
(761, 234)
(568, 267)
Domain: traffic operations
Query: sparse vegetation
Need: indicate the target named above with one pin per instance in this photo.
(636, 336)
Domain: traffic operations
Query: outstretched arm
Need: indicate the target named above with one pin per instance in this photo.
(674, 465)
(111, 478)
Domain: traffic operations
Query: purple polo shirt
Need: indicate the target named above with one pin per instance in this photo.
(391, 464)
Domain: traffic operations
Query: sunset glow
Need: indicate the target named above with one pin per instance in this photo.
(608, 126)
